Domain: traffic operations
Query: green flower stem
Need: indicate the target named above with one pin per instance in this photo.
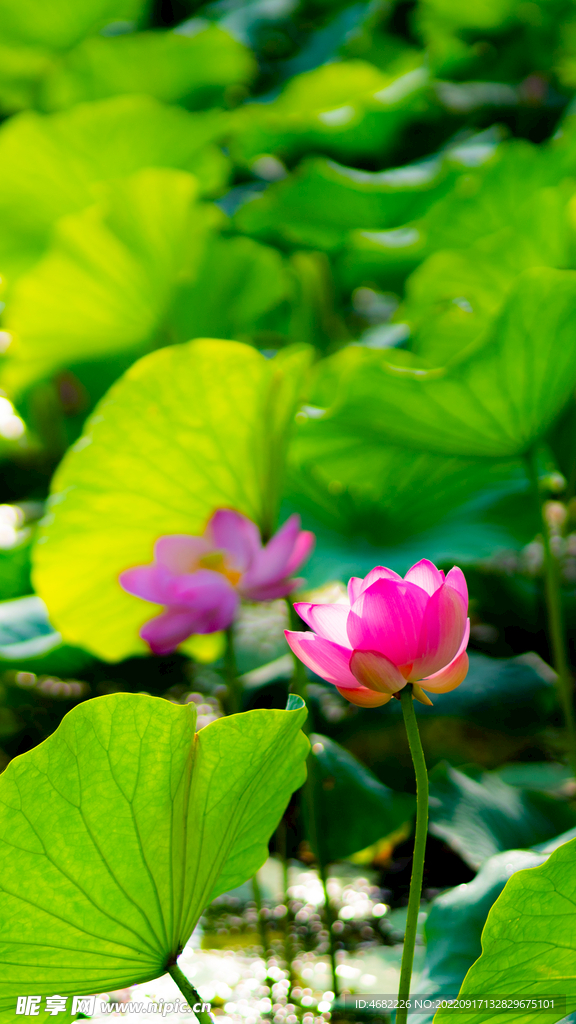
(190, 994)
(261, 922)
(282, 848)
(419, 847)
(234, 698)
(555, 622)
(330, 919)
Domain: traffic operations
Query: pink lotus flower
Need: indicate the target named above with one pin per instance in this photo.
(393, 631)
(200, 580)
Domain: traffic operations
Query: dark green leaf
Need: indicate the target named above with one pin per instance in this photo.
(478, 814)
(321, 201)
(347, 108)
(352, 808)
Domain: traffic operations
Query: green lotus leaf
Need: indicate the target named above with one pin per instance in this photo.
(187, 430)
(51, 166)
(346, 108)
(356, 484)
(494, 195)
(238, 281)
(64, 23)
(106, 283)
(171, 66)
(528, 944)
(122, 826)
(454, 924)
(495, 401)
(478, 814)
(454, 295)
(323, 200)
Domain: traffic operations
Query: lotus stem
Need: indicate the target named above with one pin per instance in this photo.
(261, 922)
(190, 994)
(330, 919)
(557, 634)
(282, 848)
(419, 849)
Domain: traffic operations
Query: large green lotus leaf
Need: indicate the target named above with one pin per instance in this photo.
(491, 196)
(500, 190)
(493, 520)
(189, 429)
(456, 918)
(357, 484)
(32, 33)
(171, 66)
(238, 281)
(453, 296)
(322, 200)
(478, 814)
(352, 808)
(52, 165)
(106, 283)
(347, 109)
(528, 943)
(63, 23)
(495, 403)
(122, 826)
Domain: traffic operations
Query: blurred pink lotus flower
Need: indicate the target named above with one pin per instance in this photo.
(393, 631)
(200, 580)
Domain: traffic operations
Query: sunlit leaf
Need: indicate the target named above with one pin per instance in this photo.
(171, 66)
(187, 430)
(492, 196)
(106, 283)
(238, 281)
(53, 165)
(454, 295)
(90, 908)
(356, 484)
(32, 32)
(346, 108)
(62, 24)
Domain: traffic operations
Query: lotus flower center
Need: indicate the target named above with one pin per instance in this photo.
(216, 561)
